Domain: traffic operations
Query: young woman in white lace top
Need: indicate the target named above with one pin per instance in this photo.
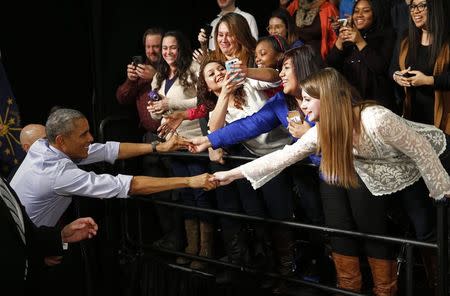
(365, 148)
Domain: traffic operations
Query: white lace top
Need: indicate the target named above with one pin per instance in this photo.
(392, 153)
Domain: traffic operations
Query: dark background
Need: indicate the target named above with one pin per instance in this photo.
(74, 53)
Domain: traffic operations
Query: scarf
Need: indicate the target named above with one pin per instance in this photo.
(306, 12)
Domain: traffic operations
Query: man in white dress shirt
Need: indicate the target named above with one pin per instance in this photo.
(49, 175)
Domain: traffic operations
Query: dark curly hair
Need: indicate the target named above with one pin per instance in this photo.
(183, 63)
(208, 98)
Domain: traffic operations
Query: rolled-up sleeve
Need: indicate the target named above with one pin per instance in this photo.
(73, 181)
(102, 152)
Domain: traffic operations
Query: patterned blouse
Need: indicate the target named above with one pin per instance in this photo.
(391, 154)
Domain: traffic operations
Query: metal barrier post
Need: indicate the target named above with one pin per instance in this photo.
(442, 242)
(409, 270)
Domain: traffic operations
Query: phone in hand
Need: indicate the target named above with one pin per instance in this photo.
(153, 95)
(208, 29)
(137, 60)
(295, 116)
(229, 64)
(342, 22)
(407, 75)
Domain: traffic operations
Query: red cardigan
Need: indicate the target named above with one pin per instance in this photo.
(326, 11)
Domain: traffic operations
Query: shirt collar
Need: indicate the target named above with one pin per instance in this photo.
(236, 10)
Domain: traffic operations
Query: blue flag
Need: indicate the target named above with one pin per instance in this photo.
(11, 153)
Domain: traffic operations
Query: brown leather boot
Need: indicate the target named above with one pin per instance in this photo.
(348, 274)
(384, 275)
(206, 244)
(192, 237)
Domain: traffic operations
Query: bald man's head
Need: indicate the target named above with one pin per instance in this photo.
(30, 134)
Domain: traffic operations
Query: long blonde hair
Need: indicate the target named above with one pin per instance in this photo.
(337, 122)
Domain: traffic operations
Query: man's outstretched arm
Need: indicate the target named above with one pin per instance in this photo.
(142, 185)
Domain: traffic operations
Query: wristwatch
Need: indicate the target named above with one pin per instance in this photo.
(154, 143)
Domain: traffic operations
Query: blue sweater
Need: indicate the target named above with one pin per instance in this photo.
(271, 115)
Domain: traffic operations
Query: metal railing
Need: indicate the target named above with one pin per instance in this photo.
(440, 246)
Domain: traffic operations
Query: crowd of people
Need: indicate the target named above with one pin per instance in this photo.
(356, 99)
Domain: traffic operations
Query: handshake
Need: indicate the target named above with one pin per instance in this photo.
(205, 181)
(212, 181)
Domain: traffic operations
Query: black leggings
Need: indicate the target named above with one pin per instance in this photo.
(356, 210)
(419, 206)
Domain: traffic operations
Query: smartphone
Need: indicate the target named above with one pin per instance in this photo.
(153, 95)
(230, 63)
(208, 29)
(342, 22)
(407, 75)
(295, 116)
(137, 60)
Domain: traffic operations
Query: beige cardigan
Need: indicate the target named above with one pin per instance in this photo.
(180, 99)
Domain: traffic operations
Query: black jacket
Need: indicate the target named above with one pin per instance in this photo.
(368, 70)
(40, 242)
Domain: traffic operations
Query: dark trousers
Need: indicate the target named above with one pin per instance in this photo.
(419, 206)
(169, 218)
(356, 210)
(190, 196)
(306, 187)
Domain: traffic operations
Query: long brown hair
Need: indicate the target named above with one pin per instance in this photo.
(246, 43)
(337, 122)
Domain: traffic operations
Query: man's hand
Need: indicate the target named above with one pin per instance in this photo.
(78, 230)
(171, 122)
(52, 260)
(199, 144)
(145, 71)
(205, 181)
(131, 72)
(175, 143)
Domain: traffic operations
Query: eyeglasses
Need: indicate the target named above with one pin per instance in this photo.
(420, 7)
(274, 27)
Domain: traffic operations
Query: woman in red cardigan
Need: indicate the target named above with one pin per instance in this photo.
(314, 31)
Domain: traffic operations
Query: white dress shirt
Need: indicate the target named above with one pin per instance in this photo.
(47, 179)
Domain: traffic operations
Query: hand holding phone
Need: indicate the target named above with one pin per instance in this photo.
(136, 60)
(229, 64)
(229, 67)
(342, 22)
(294, 116)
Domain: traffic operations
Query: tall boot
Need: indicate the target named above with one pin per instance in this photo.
(283, 242)
(429, 258)
(206, 245)
(262, 249)
(192, 237)
(384, 275)
(236, 247)
(348, 273)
